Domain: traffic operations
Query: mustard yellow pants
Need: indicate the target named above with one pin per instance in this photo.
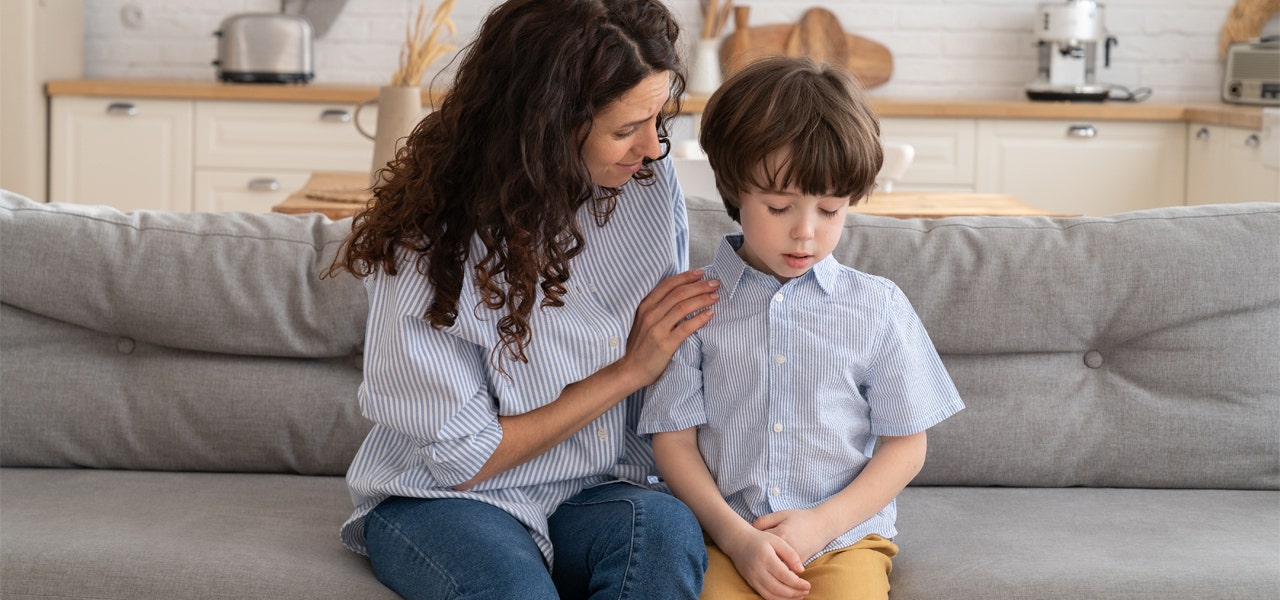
(860, 571)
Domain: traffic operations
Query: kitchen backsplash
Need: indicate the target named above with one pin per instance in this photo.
(975, 49)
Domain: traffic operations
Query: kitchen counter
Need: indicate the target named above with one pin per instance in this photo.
(1216, 114)
(338, 195)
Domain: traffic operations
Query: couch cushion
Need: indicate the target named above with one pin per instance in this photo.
(153, 340)
(73, 533)
(1138, 349)
(77, 397)
(981, 543)
(80, 533)
(237, 283)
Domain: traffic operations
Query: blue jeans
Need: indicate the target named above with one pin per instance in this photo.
(612, 541)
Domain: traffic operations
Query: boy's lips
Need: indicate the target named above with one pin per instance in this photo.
(797, 261)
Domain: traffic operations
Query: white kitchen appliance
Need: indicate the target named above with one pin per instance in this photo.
(1069, 35)
(1252, 73)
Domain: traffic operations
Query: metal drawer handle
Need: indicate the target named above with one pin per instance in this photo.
(1203, 134)
(336, 115)
(124, 109)
(265, 184)
(1082, 131)
(1252, 141)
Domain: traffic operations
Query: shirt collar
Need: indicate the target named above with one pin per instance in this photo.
(728, 266)
(731, 269)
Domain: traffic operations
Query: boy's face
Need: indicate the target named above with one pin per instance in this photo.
(786, 232)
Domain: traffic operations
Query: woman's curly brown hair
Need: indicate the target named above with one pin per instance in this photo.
(500, 159)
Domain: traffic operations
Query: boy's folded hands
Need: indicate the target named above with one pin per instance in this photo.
(803, 530)
(768, 563)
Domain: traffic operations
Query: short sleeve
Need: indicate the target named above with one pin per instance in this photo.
(674, 402)
(907, 387)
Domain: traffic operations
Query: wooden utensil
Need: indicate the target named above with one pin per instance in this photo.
(869, 60)
(820, 37)
(738, 44)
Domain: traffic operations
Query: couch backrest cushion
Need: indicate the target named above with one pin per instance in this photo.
(237, 283)
(1140, 349)
(179, 341)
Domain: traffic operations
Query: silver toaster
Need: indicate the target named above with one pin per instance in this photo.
(264, 48)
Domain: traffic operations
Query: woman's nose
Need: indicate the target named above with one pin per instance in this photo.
(648, 144)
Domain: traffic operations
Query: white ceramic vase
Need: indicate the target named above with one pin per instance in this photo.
(704, 76)
(399, 109)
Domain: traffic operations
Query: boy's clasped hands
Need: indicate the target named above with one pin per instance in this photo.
(770, 552)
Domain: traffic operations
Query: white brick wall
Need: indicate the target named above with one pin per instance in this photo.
(976, 49)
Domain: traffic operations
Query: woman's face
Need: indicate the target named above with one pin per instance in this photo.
(626, 132)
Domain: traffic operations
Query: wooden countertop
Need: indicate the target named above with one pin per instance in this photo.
(338, 195)
(1215, 114)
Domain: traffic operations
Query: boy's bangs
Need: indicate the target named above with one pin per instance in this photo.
(816, 167)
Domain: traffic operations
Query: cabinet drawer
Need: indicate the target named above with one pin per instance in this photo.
(247, 191)
(1077, 167)
(128, 153)
(287, 135)
(945, 157)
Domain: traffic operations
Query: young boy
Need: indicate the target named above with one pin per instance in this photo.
(765, 420)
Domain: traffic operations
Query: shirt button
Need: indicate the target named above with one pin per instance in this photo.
(775, 490)
(779, 359)
(602, 434)
(613, 341)
(592, 287)
(779, 298)
(777, 427)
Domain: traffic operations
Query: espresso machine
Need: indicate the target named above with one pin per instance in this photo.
(1069, 35)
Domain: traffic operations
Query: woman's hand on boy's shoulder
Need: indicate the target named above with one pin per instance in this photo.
(662, 321)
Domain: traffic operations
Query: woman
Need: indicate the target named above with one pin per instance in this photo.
(521, 266)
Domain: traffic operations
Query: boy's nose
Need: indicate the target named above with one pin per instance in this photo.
(803, 229)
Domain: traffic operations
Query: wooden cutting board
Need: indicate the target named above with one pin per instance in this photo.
(869, 60)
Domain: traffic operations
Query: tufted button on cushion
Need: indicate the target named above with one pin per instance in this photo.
(1093, 359)
(125, 345)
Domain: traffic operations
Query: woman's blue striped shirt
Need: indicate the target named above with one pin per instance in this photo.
(434, 396)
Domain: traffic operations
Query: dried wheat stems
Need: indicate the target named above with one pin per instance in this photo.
(420, 48)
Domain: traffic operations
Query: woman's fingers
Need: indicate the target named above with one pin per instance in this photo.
(662, 322)
(675, 298)
(665, 287)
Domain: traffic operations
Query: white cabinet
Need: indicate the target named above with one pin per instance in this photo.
(1224, 164)
(1091, 168)
(218, 190)
(249, 156)
(945, 154)
(282, 135)
(204, 155)
(131, 154)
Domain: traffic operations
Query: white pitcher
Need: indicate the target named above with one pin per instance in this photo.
(399, 109)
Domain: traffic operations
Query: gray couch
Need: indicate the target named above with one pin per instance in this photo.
(178, 403)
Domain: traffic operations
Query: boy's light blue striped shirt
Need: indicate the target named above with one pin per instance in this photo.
(434, 396)
(790, 384)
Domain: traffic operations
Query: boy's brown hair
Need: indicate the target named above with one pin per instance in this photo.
(783, 121)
